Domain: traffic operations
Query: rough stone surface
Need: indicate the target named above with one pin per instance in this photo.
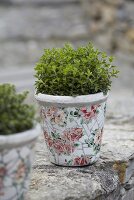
(26, 31)
(110, 23)
(110, 178)
(34, 2)
(41, 23)
(27, 27)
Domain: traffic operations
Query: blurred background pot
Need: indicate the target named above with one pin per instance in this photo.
(73, 127)
(16, 155)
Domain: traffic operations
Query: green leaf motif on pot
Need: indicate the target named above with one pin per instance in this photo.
(76, 144)
(90, 142)
(69, 163)
(55, 135)
(81, 121)
(105, 109)
(96, 148)
(71, 113)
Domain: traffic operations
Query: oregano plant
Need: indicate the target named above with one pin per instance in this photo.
(15, 115)
(71, 72)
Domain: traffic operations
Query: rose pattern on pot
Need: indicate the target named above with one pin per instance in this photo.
(64, 144)
(15, 167)
(73, 135)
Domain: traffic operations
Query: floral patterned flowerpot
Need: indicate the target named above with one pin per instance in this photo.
(16, 155)
(73, 127)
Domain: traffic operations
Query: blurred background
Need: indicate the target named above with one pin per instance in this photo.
(29, 26)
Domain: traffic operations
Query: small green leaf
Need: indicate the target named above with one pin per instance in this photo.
(76, 113)
(16, 116)
(76, 145)
(71, 113)
(72, 71)
(81, 121)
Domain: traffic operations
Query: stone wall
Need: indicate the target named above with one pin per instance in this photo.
(111, 23)
(29, 26)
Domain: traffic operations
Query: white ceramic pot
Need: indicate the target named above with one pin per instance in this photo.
(73, 127)
(16, 155)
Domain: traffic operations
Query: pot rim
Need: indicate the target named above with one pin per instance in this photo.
(18, 139)
(70, 100)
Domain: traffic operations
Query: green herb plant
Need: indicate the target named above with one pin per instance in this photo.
(15, 115)
(71, 72)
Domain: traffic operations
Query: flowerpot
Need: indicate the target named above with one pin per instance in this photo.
(16, 155)
(73, 127)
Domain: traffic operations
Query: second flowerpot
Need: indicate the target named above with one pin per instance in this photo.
(73, 127)
(16, 156)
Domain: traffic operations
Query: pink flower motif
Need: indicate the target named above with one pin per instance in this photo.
(42, 112)
(69, 148)
(94, 108)
(20, 174)
(65, 143)
(74, 134)
(46, 136)
(59, 146)
(89, 114)
(48, 139)
(84, 109)
(98, 137)
(3, 172)
(50, 142)
(51, 111)
(58, 117)
(80, 161)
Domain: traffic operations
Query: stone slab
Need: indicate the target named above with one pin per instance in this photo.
(37, 3)
(27, 52)
(27, 23)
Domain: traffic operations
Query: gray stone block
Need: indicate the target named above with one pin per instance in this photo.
(41, 23)
(37, 3)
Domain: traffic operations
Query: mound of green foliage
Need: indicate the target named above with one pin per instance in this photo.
(71, 72)
(15, 115)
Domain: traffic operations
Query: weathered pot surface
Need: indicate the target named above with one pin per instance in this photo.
(16, 156)
(73, 127)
